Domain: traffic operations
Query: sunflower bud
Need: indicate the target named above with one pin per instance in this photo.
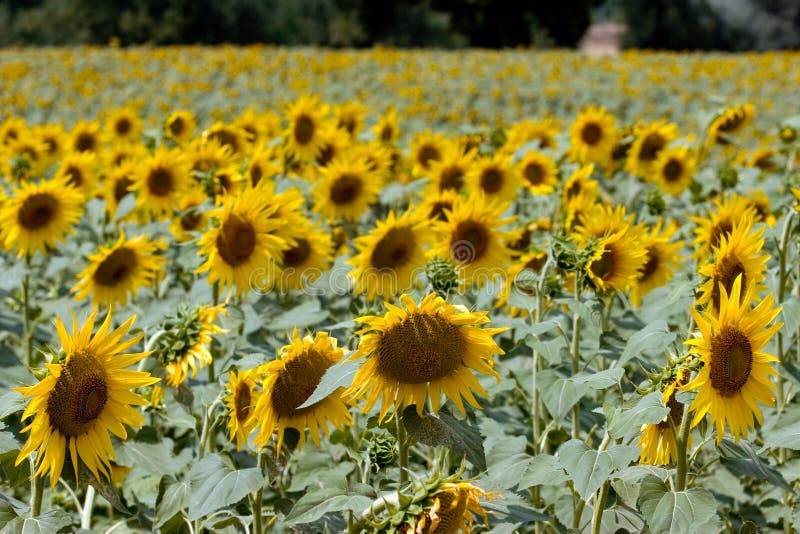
(788, 134)
(728, 177)
(442, 275)
(655, 202)
(382, 450)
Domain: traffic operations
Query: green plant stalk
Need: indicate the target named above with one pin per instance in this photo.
(215, 299)
(682, 445)
(257, 499)
(576, 357)
(37, 491)
(88, 507)
(402, 444)
(602, 496)
(27, 332)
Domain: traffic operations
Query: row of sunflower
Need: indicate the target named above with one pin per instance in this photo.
(573, 235)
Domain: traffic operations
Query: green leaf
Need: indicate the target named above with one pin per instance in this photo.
(308, 313)
(649, 410)
(315, 468)
(11, 508)
(790, 314)
(8, 442)
(173, 496)
(11, 402)
(15, 475)
(153, 458)
(339, 375)
(787, 437)
(653, 338)
(602, 380)
(215, 485)
(588, 468)
(742, 460)
(543, 470)
(446, 431)
(558, 393)
(506, 462)
(46, 523)
(550, 349)
(315, 504)
(675, 512)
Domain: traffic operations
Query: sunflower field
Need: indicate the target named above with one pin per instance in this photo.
(260, 289)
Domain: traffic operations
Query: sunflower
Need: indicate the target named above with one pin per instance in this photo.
(673, 170)
(471, 238)
(616, 263)
(32, 151)
(729, 122)
(205, 155)
(605, 219)
(79, 170)
(493, 176)
(377, 155)
(523, 132)
(306, 260)
(84, 398)
(739, 254)
(85, 137)
(450, 171)
(658, 440)
(124, 125)
(578, 207)
(592, 136)
(307, 122)
(262, 166)
(241, 245)
(240, 401)
(117, 186)
(161, 181)
(426, 148)
(119, 270)
(764, 159)
(521, 277)
(386, 130)
(39, 215)
(649, 142)
(334, 142)
(286, 211)
(224, 183)
(230, 137)
(390, 256)
(735, 374)
(448, 509)
(54, 139)
(289, 381)
(661, 262)
(580, 183)
(347, 189)
(538, 172)
(12, 129)
(761, 203)
(180, 126)
(191, 216)
(730, 210)
(350, 117)
(421, 351)
(251, 125)
(184, 346)
(122, 153)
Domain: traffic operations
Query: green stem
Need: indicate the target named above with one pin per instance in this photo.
(402, 444)
(602, 496)
(215, 298)
(88, 506)
(258, 527)
(37, 491)
(576, 357)
(682, 444)
(27, 332)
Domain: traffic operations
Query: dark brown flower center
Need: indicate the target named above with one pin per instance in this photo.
(728, 269)
(732, 121)
(226, 138)
(651, 146)
(451, 178)
(236, 240)
(297, 381)
(438, 210)
(422, 348)
(160, 182)
(387, 132)
(721, 229)
(492, 180)
(74, 175)
(116, 267)
(534, 173)
(591, 134)
(731, 360)
(256, 173)
(394, 249)
(177, 126)
(37, 211)
(191, 219)
(469, 242)
(427, 154)
(121, 188)
(346, 189)
(326, 154)
(78, 396)
(673, 170)
(123, 126)
(297, 254)
(603, 267)
(303, 130)
(85, 142)
(242, 401)
(650, 266)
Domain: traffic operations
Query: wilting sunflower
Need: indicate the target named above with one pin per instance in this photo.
(79, 170)
(673, 170)
(729, 122)
(735, 374)
(472, 239)
(661, 261)
(241, 245)
(83, 399)
(289, 381)
(306, 260)
(616, 264)
(390, 256)
(538, 172)
(386, 130)
(421, 351)
(448, 509)
(427, 148)
(347, 189)
(124, 125)
(38, 215)
(180, 126)
(184, 345)
(191, 216)
(592, 136)
(730, 210)
(118, 271)
(526, 131)
(658, 440)
(492, 175)
(240, 401)
(650, 141)
(161, 180)
(307, 118)
(85, 137)
(739, 254)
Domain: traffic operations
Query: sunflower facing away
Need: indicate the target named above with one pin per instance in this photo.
(421, 351)
(240, 401)
(83, 399)
(118, 271)
(390, 256)
(592, 136)
(289, 381)
(38, 215)
(736, 371)
(658, 440)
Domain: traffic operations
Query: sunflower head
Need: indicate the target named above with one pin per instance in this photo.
(308, 121)
(347, 188)
(649, 142)
(240, 400)
(658, 440)
(673, 170)
(180, 126)
(592, 136)
(85, 137)
(616, 262)
(124, 125)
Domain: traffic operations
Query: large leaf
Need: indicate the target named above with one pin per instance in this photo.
(507, 462)
(559, 394)
(153, 458)
(315, 504)
(782, 436)
(550, 349)
(337, 376)
(649, 410)
(215, 485)
(308, 313)
(675, 512)
(742, 460)
(588, 468)
(173, 496)
(543, 470)
(601, 380)
(49, 522)
(655, 337)
(446, 431)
